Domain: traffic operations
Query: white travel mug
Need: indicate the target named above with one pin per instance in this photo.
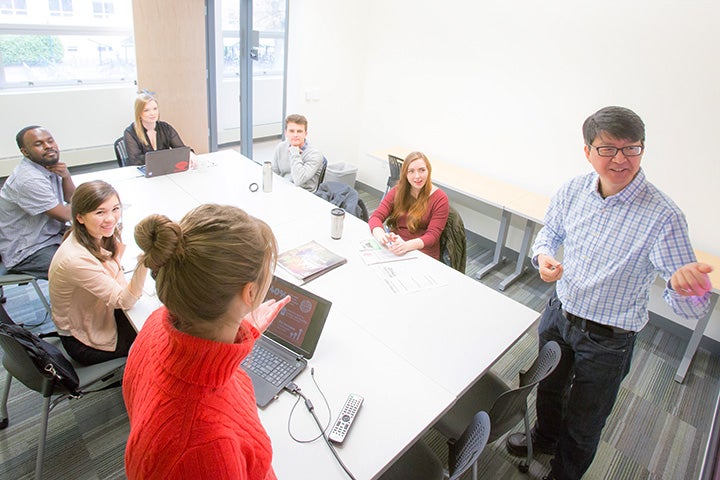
(337, 215)
(267, 177)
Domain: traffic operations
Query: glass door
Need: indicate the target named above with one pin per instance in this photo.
(247, 62)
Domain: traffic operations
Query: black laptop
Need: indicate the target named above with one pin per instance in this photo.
(281, 353)
(162, 162)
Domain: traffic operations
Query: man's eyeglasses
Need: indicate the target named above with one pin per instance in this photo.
(629, 151)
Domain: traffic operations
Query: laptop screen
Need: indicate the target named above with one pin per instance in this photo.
(298, 326)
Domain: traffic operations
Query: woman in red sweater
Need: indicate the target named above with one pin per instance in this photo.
(191, 407)
(415, 211)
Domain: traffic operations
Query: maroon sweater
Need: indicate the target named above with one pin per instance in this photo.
(431, 225)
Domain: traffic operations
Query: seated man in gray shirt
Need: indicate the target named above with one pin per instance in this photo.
(33, 208)
(295, 159)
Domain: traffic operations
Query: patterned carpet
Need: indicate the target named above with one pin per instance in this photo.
(658, 429)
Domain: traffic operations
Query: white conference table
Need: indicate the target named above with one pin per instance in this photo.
(410, 356)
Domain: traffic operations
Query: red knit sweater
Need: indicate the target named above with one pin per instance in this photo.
(192, 408)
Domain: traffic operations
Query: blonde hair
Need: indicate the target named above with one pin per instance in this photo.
(202, 262)
(140, 101)
(405, 203)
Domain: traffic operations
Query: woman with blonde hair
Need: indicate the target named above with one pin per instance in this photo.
(191, 407)
(148, 133)
(88, 289)
(413, 214)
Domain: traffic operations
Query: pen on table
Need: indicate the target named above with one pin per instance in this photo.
(387, 230)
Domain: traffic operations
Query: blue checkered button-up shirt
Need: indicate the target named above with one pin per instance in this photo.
(614, 248)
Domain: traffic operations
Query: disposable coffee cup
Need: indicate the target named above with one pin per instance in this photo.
(337, 216)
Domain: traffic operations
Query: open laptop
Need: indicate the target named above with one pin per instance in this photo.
(281, 352)
(162, 162)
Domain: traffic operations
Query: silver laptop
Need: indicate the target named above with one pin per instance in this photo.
(162, 162)
(281, 353)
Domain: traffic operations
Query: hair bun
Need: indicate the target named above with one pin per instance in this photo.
(161, 239)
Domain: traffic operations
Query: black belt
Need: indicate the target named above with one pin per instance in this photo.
(597, 328)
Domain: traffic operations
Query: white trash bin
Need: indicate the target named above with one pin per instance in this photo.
(341, 172)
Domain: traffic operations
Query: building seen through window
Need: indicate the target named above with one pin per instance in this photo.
(65, 42)
(269, 21)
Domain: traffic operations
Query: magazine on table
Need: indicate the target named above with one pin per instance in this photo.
(309, 261)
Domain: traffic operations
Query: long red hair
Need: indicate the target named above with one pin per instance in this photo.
(405, 203)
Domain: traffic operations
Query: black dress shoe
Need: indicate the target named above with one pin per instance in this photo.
(517, 445)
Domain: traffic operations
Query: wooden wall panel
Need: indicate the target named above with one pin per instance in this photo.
(170, 51)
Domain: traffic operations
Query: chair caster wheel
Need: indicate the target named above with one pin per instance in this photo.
(524, 468)
(4, 423)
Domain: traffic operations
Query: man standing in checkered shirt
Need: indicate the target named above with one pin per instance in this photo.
(618, 232)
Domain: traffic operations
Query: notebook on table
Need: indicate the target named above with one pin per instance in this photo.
(281, 352)
(162, 162)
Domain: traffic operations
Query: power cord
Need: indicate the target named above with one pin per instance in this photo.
(293, 388)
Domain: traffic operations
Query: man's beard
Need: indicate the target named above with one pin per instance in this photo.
(47, 163)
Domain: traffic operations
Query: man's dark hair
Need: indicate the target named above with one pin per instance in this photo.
(21, 134)
(619, 122)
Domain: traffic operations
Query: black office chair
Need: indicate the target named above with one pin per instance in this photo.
(323, 169)
(19, 364)
(505, 405)
(395, 164)
(421, 463)
(121, 152)
(453, 242)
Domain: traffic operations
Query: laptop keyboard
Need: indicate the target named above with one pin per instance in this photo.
(268, 365)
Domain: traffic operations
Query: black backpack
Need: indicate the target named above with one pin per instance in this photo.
(46, 356)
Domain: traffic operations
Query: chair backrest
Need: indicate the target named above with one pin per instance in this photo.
(121, 152)
(322, 171)
(510, 407)
(463, 454)
(545, 363)
(453, 242)
(395, 164)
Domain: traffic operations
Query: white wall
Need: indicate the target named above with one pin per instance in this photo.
(502, 87)
(85, 122)
(326, 62)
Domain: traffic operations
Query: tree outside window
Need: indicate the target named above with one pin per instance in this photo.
(66, 42)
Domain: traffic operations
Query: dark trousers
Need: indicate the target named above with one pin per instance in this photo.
(36, 264)
(90, 356)
(574, 402)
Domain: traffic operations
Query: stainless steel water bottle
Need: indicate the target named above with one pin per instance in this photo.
(267, 177)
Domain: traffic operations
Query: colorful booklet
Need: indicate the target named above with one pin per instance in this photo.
(309, 261)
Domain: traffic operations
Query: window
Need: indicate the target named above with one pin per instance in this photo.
(103, 9)
(269, 21)
(13, 7)
(60, 8)
(66, 42)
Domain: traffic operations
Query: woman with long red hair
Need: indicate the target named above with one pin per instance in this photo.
(413, 213)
